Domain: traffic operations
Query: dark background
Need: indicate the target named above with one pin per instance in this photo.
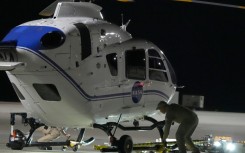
(205, 44)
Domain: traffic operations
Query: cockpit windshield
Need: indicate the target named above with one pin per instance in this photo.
(171, 70)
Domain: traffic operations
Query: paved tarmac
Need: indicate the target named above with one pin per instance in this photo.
(216, 123)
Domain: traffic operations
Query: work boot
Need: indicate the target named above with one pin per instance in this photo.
(64, 148)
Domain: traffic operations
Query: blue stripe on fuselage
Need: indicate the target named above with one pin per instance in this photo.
(28, 38)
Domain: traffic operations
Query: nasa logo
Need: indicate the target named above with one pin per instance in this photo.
(137, 91)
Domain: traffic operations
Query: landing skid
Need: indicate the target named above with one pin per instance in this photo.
(18, 140)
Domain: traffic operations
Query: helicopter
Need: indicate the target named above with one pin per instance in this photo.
(77, 70)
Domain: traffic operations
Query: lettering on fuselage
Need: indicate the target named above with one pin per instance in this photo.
(137, 92)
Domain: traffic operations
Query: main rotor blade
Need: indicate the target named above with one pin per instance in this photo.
(212, 3)
(126, 1)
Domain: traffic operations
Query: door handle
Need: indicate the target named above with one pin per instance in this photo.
(123, 82)
(147, 82)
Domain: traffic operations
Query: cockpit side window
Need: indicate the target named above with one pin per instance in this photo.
(135, 64)
(156, 63)
(157, 69)
(85, 40)
(153, 53)
(112, 62)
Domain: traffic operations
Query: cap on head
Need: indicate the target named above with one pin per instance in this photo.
(161, 104)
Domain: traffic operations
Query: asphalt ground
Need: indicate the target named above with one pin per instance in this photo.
(216, 123)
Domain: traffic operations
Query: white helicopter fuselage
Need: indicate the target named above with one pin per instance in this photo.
(76, 69)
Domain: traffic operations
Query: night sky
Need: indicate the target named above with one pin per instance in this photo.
(205, 44)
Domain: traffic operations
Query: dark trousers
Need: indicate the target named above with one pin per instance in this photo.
(184, 133)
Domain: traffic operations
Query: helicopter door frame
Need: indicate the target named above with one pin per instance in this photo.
(133, 84)
(85, 38)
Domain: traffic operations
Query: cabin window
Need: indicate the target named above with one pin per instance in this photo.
(85, 40)
(17, 91)
(112, 62)
(135, 64)
(47, 92)
(157, 69)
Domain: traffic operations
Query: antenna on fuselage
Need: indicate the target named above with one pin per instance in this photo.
(124, 26)
(122, 18)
